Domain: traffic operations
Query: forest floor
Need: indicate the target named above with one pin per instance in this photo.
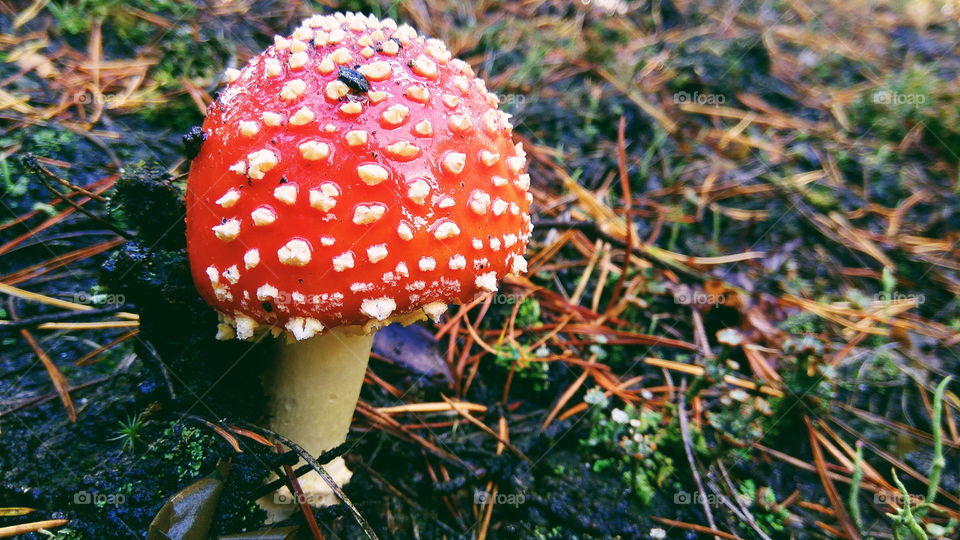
(740, 314)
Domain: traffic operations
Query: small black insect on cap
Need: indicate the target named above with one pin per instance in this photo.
(192, 141)
(354, 80)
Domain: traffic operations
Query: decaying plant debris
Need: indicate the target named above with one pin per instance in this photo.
(742, 293)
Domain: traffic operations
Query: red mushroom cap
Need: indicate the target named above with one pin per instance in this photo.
(352, 174)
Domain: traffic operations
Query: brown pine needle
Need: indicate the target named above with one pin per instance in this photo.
(36, 526)
(835, 501)
(694, 527)
(60, 382)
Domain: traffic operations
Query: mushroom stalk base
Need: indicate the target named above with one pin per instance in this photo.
(314, 389)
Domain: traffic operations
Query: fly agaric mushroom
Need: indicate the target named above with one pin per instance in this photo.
(352, 175)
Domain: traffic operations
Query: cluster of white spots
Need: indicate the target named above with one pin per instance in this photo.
(297, 60)
(245, 326)
(336, 89)
(286, 193)
(487, 281)
(281, 43)
(451, 100)
(302, 117)
(334, 31)
(424, 67)
(435, 310)
(461, 83)
(418, 93)
(314, 150)
(229, 198)
(402, 149)
(438, 50)
(423, 128)
(404, 231)
(293, 89)
(260, 162)
(395, 114)
(446, 201)
(239, 167)
(405, 34)
(272, 67)
(251, 258)
(523, 182)
(446, 229)
(377, 253)
(454, 162)
(341, 56)
(519, 265)
(249, 128)
(372, 174)
(390, 48)
(356, 137)
(489, 158)
(376, 71)
(232, 274)
(462, 67)
(515, 164)
(271, 118)
(326, 66)
(303, 327)
(213, 275)
(351, 108)
(418, 191)
(490, 121)
(266, 292)
(263, 215)
(324, 196)
(378, 308)
(459, 123)
(479, 201)
(228, 230)
(343, 261)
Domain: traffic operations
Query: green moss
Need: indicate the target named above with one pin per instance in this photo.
(627, 444)
(524, 364)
